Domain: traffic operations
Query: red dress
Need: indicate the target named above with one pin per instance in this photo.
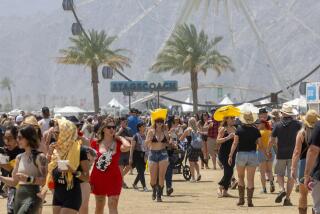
(108, 182)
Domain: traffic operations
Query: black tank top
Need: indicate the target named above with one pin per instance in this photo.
(304, 149)
(225, 147)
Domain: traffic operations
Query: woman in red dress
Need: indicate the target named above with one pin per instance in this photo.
(106, 179)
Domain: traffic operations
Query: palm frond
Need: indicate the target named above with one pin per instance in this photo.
(97, 51)
(187, 50)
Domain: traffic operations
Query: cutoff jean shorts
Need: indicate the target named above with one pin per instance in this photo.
(156, 156)
(247, 159)
(262, 158)
(302, 166)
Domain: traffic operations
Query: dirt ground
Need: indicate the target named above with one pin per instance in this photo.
(190, 198)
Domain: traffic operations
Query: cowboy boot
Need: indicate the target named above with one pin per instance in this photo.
(249, 196)
(303, 210)
(159, 193)
(241, 196)
(154, 191)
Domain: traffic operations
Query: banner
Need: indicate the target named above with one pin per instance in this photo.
(313, 94)
(143, 86)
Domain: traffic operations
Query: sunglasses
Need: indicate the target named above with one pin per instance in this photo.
(111, 127)
(159, 121)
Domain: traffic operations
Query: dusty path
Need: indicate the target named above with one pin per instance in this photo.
(190, 198)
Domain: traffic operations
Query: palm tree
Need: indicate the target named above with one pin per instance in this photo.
(7, 84)
(188, 51)
(94, 52)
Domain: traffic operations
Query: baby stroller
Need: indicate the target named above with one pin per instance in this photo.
(180, 158)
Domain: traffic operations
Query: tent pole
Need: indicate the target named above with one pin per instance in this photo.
(158, 99)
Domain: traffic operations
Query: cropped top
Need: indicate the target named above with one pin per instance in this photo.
(164, 140)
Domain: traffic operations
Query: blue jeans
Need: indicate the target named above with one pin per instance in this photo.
(169, 175)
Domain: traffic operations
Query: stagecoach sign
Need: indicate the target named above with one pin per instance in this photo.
(143, 86)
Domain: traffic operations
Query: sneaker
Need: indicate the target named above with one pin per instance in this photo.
(124, 185)
(145, 189)
(287, 202)
(169, 191)
(272, 188)
(234, 184)
(193, 181)
(134, 186)
(264, 191)
(199, 178)
(280, 196)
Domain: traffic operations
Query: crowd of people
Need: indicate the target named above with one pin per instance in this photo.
(74, 159)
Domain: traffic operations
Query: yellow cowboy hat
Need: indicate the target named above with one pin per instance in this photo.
(157, 114)
(226, 111)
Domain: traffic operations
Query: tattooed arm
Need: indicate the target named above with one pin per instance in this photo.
(42, 163)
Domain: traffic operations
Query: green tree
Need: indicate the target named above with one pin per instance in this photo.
(7, 84)
(188, 51)
(94, 53)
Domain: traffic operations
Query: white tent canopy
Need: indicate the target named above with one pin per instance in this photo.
(248, 107)
(69, 111)
(298, 102)
(115, 104)
(187, 108)
(226, 101)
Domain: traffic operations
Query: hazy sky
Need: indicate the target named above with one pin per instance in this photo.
(28, 7)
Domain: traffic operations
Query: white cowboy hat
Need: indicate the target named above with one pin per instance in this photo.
(288, 110)
(248, 117)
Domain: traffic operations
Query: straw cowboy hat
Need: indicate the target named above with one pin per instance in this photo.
(288, 110)
(248, 118)
(275, 113)
(311, 118)
(226, 111)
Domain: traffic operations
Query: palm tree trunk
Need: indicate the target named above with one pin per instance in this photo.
(194, 88)
(95, 88)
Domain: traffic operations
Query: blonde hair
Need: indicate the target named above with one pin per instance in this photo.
(192, 123)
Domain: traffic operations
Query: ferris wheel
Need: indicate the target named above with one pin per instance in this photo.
(229, 9)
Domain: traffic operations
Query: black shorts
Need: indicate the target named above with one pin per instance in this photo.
(204, 137)
(124, 158)
(194, 154)
(64, 198)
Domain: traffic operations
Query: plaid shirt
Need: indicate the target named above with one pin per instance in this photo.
(213, 130)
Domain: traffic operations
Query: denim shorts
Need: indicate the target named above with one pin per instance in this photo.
(262, 158)
(247, 159)
(302, 166)
(155, 156)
